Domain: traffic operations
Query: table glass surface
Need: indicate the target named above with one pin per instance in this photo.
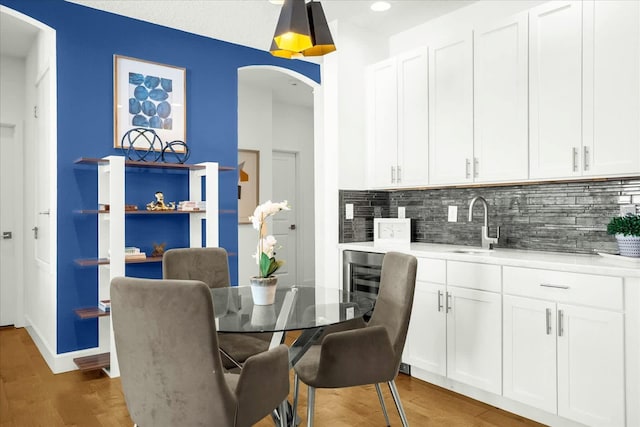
(312, 307)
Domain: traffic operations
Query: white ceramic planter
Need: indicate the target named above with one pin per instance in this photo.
(629, 245)
(263, 290)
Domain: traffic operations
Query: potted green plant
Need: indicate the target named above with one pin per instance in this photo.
(627, 231)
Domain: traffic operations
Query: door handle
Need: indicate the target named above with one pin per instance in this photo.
(47, 212)
(560, 323)
(548, 313)
(439, 300)
(574, 158)
(448, 302)
(292, 227)
(467, 165)
(7, 235)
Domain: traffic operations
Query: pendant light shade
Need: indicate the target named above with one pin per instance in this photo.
(283, 53)
(320, 34)
(293, 32)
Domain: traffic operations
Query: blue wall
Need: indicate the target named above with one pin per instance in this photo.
(87, 39)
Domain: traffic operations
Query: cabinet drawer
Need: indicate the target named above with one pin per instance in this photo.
(431, 270)
(484, 277)
(572, 288)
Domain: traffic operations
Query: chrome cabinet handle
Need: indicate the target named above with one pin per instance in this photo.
(399, 174)
(560, 323)
(574, 156)
(439, 300)
(551, 285)
(585, 160)
(448, 302)
(467, 164)
(393, 174)
(476, 167)
(548, 318)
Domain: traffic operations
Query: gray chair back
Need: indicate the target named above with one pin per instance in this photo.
(167, 349)
(209, 265)
(395, 300)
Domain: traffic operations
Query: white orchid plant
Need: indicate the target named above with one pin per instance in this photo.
(265, 253)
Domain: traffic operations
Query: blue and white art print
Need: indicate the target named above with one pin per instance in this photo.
(151, 96)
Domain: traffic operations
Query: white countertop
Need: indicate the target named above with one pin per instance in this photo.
(577, 263)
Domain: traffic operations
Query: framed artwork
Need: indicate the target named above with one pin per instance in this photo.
(151, 96)
(248, 184)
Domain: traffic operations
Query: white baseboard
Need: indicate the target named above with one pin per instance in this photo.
(58, 363)
(494, 399)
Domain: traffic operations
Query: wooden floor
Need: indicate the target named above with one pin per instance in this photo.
(30, 395)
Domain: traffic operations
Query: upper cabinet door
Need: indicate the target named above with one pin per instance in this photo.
(611, 125)
(501, 137)
(451, 110)
(413, 119)
(382, 123)
(555, 67)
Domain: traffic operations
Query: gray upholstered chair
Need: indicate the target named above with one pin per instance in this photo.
(370, 354)
(170, 366)
(211, 266)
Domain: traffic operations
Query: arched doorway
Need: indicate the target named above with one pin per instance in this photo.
(276, 110)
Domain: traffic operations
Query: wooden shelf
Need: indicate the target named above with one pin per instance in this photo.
(91, 312)
(146, 212)
(138, 164)
(93, 362)
(105, 261)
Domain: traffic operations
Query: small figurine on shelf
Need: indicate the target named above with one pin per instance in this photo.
(159, 204)
(158, 249)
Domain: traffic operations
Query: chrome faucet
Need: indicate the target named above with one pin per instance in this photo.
(487, 242)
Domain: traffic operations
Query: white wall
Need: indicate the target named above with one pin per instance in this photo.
(293, 131)
(480, 13)
(12, 110)
(254, 133)
(266, 126)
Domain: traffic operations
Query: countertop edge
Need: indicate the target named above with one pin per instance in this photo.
(558, 261)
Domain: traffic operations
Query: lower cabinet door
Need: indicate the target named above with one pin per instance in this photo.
(474, 335)
(426, 339)
(529, 351)
(590, 365)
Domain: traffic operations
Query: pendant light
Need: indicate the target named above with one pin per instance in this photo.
(292, 32)
(320, 34)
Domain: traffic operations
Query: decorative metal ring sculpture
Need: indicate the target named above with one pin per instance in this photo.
(133, 145)
(175, 152)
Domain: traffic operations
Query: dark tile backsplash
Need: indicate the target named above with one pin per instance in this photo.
(563, 217)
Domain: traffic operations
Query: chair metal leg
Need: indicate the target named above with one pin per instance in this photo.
(384, 408)
(283, 413)
(396, 399)
(311, 399)
(296, 389)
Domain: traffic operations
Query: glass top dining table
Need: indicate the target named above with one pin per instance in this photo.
(308, 309)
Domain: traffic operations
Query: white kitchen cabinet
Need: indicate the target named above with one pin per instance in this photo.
(561, 357)
(500, 140)
(382, 122)
(611, 73)
(398, 121)
(455, 331)
(474, 338)
(451, 110)
(555, 89)
(426, 338)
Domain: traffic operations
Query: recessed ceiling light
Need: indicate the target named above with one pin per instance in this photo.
(380, 6)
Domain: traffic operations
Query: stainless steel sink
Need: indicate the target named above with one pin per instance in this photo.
(471, 251)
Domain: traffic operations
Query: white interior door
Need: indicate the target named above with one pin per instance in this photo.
(11, 196)
(43, 198)
(285, 187)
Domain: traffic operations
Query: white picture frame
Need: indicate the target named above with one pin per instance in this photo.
(149, 95)
(392, 232)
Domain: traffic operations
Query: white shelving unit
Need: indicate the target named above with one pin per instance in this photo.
(111, 236)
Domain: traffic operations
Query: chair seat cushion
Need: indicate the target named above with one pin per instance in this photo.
(240, 347)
